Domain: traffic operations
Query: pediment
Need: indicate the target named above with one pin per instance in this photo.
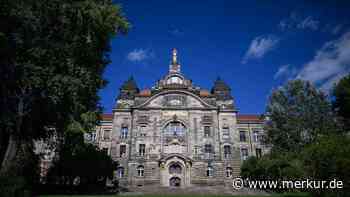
(175, 100)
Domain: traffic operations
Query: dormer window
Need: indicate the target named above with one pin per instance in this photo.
(174, 80)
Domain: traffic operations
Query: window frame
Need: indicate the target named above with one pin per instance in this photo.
(124, 132)
(120, 172)
(227, 154)
(140, 171)
(207, 130)
(142, 150)
(229, 172)
(243, 156)
(210, 171)
(225, 132)
(108, 133)
(243, 138)
(122, 154)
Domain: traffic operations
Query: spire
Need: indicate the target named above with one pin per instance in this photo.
(174, 66)
(174, 62)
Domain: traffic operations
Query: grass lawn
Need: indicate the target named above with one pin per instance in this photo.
(273, 195)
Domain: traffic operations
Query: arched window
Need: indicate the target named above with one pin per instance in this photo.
(175, 169)
(140, 171)
(175, 128)
(120, 172)
(228, 172)
(174, 80)
(210, 171)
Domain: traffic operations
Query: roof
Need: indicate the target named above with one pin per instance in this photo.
(106, 117)
(241, 118)
(145, 92)
(204, 93)
(250, 118)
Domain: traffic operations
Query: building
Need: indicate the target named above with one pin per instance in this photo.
(177, 134)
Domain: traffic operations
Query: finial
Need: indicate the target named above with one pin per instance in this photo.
(174, 62)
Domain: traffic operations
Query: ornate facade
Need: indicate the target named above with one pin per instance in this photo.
(177, 134)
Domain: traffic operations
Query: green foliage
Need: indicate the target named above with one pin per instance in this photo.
(298, 194)
(78, 159)
(307, 142)
(298, 114)
(328, 159)
(13, 187)
(341, 103)
(53, 55)
(272, 167)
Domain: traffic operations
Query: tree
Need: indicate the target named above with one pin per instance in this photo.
(341, 102)
(53, 57)
(328, 159)
(83, 160)
(298, 113)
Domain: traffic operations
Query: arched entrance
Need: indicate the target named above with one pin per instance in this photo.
(175, 182)
(175, 168)
(175, 171)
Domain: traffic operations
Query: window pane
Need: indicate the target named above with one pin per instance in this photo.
(242, 136)
(106, 134)
(206, 131)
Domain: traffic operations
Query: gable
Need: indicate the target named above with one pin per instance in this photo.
(175, 100)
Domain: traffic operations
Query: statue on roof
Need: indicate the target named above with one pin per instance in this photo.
(174, 66)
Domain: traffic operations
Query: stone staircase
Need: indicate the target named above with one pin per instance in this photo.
(193, 190)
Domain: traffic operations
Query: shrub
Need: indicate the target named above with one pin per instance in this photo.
(13, 187)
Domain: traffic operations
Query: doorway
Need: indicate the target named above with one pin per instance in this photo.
(175, 182)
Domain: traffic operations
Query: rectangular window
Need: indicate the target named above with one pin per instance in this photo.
(242, 136)
(244, 153)
(258, 152)
(208, 148)
(106, 134)
(93, 136)
(196, 150)
(142, 149)
(227, 151)
(225, 133)
(206, 131)
(124, 133)
(122, 150)
(256, 136)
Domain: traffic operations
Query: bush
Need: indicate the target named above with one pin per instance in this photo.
(328, 159)
(14, 187)
(272, 167)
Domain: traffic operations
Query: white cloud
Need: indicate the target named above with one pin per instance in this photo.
(285, 71)
(138, 55)
(337, 29)
(330, 63)
(177, 32)
(308, 23)
(295, 21)
(259, 47)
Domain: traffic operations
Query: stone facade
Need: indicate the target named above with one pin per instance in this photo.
(177, 134)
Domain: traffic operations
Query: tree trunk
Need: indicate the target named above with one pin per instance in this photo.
(10, 155)
(14, 144)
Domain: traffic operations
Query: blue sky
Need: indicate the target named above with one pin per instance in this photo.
(255, 46)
